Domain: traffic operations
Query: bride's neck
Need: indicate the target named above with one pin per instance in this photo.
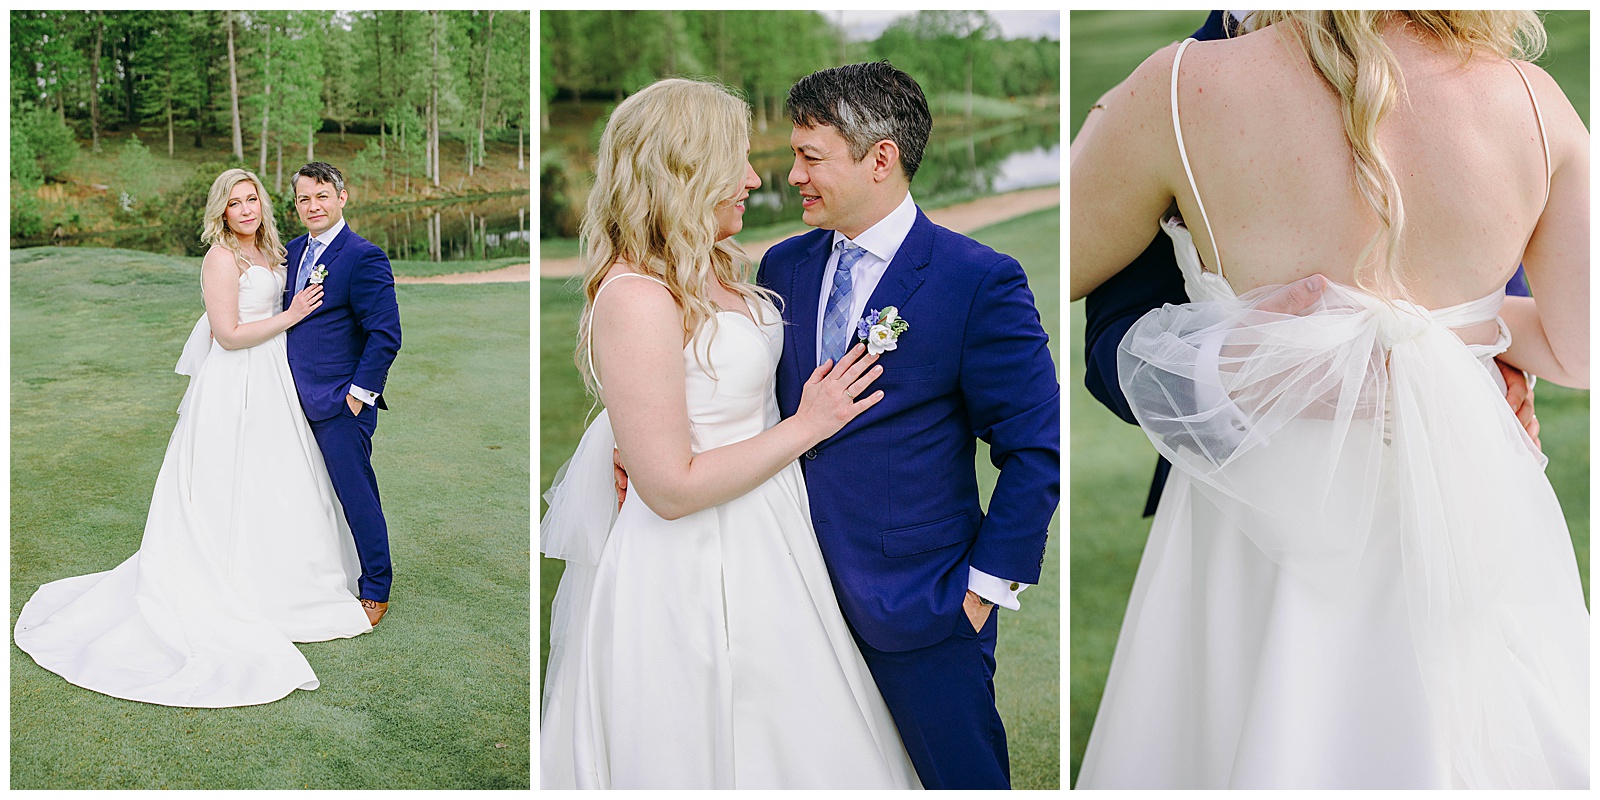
(248, 247)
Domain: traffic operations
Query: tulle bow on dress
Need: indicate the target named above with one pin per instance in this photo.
(1318, 433)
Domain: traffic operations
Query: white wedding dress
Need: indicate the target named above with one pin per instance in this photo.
(1358, 575)
(245, 549)
(707, 651)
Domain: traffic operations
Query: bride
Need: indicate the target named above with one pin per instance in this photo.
(1358, 575)
(245, 548)
(695, 641)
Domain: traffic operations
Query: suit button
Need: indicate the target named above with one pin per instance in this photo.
(811, 454)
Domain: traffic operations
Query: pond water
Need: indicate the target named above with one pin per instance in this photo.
(462, 230)
(1002, 158)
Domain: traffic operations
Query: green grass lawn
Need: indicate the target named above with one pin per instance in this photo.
(1113, 461)
(436, 697)
(422, 269)
(1029, 657)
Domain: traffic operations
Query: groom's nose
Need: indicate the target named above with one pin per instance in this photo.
(797, 173)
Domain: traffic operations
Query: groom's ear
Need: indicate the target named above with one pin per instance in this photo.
(885, 157)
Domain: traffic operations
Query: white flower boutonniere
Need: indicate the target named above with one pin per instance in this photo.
(319, 273)
(881, 330)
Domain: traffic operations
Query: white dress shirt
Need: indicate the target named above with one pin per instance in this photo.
(323, 240)
(881, 242)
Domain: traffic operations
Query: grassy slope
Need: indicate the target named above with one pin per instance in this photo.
(420, 269)
(1114, 460)
(422, 702)
(1029, 652)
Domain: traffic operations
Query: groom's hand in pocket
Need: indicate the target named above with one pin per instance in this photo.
(977, 611)
(355, 405)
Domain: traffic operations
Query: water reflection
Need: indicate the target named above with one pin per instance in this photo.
(466, 230)
(1001, 158)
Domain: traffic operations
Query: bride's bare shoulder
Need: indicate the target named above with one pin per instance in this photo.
(220, 258)
(625, 291)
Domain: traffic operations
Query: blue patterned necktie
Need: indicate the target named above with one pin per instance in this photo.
(307, 261)
(836, 322)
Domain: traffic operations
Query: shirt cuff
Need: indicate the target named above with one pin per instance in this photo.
(370, 398)
(999, 591)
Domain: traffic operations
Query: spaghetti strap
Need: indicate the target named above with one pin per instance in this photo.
(590, 355)
(1183, 154)
(1544, 140)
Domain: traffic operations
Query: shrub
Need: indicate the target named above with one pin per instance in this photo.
(136, 180)
(49, 142)
(558, 217)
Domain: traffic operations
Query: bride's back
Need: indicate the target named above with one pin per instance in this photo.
(1265, 139)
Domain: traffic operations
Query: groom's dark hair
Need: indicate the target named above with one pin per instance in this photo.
(320, 171)
(866, 103)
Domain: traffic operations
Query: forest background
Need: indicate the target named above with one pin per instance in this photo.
(978, 83)
(122, 118)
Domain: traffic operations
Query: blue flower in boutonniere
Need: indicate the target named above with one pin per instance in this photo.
(318, 275)
(881, 329)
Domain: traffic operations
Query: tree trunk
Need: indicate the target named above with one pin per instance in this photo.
(94, 81)
(483, 107)
(311, 144)
(169, 119)
(519, 148)
(672, 43)
(203, 102)
(233, 81)
(433, 110)
(277, 184)
(266, 102)
(969, 85)
(722, 43)
(125, 49)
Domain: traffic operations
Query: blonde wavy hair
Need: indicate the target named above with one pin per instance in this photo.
(1348, 49)
(670, 154)
(214, 229)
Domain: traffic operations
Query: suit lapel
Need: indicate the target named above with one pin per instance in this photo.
(904, 274)
(804, 295)
(296, 250)
(327, 257)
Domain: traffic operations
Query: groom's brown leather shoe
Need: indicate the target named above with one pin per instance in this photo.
(375, 610)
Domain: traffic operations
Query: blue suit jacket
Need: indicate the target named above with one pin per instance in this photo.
(1151, 281)
(894, 495)
(354, 335)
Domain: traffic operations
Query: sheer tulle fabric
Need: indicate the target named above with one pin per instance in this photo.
(1359, 575)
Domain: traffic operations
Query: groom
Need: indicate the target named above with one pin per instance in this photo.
(340, 357)
(917, 565)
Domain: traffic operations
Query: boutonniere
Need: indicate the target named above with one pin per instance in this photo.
(881, 329)
(319, 273)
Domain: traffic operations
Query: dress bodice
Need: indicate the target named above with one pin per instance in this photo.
(1202, 286)
(730, 372)
(260, 293)
(729, 368)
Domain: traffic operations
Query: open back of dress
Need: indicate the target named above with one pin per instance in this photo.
(1358, 575)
